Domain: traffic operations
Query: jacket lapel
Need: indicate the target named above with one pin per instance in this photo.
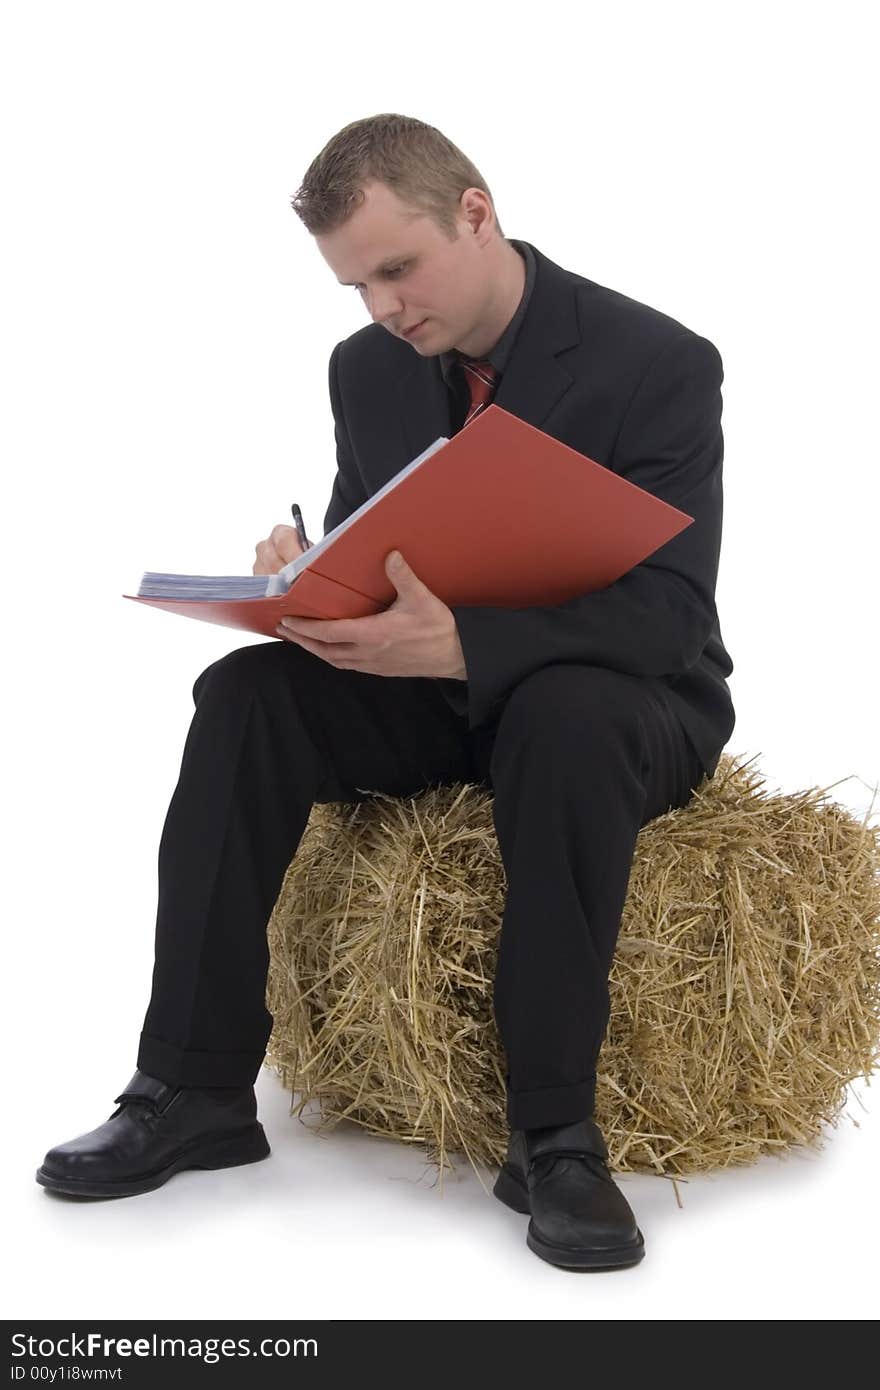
(533, 381)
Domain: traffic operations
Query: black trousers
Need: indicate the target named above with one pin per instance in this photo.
(579, 758)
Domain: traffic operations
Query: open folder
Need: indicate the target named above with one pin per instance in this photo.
(501, 514)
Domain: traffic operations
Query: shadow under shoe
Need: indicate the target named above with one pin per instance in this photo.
(580, 1218)
(158, 1129)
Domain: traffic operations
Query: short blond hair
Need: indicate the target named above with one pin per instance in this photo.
(416, 161)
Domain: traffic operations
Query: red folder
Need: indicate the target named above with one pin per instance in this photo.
(502, 515)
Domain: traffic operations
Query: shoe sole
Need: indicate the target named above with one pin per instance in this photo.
(223, 1151)
(514, 1192)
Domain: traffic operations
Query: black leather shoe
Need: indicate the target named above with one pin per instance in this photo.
(580, 1218)
(157, 1130)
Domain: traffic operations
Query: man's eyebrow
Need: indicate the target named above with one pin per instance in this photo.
(383, 265)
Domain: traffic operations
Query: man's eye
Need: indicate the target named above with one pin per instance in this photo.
(393, 270)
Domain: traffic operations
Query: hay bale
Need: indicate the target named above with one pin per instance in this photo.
(745, 991)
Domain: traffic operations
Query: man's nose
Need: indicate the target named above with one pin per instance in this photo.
(384, 304)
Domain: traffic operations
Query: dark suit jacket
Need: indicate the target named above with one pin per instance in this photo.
(629, 387)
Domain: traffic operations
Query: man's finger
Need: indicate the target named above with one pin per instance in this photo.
(331, 630)
(330, 652)
(268, 560)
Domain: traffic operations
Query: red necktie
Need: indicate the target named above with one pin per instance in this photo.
(480, 377)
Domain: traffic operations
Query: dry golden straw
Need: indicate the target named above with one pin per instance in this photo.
(745, 992)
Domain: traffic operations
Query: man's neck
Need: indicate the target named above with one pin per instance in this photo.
(510, 286)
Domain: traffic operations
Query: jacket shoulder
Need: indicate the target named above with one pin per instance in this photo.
(373, 347)
(632, 321)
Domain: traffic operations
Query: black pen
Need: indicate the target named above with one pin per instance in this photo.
(300, 529)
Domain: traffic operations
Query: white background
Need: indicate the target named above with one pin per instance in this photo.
(166, 327)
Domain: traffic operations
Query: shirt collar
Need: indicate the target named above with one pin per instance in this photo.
(500, 353)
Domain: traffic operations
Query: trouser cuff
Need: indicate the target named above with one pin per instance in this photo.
(179, 1067)
(554, 1105)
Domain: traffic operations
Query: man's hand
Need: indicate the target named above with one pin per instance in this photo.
(416, 636)
(281, 547)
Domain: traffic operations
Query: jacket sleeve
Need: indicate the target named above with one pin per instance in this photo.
(348, 490)
(656, 619)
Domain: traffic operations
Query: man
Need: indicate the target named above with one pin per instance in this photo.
(586, 719)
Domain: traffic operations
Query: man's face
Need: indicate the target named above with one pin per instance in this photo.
(406, 270)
